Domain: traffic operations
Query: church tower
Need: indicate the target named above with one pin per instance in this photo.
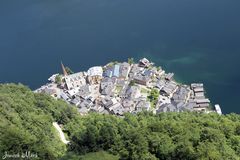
(64, 70)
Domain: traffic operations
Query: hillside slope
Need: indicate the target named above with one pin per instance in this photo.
(26, 122)
(26, 125)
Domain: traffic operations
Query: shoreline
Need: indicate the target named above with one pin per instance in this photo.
(117, 87)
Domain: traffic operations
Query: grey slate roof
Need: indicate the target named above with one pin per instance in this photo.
(169, 88)
(84, 91)
(76, 101)
(64, 96)
(160, 84)
(128, 103)
(132, 92)
(108, 72)
(181, 94)
(167, 108)
(143, 105)
(118, 110)
(124, 69)
(85, 103)
(169, 76)
(83, 110)
(136, 69)
(141, 79)
(107, 86)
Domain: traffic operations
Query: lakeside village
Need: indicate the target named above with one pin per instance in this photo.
(117, 88)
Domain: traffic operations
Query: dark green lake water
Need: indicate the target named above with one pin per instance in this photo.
(197, 40)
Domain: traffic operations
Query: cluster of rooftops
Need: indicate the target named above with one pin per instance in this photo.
(117, 88)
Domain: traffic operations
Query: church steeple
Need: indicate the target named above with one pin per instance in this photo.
(64, 70)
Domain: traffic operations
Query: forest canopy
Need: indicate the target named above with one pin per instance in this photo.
(26, 122)
(26, 125)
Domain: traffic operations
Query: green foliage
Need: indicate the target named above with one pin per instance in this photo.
(58, 79)
(68, 70)
(26, 122)
(144, 90)
(131, 61)
(118, 89)
(153, 97)
(165, 136)
(26, 125)
(100, 155)
(159, 68)
(115, 62)
(132, 83)
(111, 64)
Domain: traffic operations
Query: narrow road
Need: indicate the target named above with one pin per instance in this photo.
(61, 134)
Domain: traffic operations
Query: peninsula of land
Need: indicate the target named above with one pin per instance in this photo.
(117, 88)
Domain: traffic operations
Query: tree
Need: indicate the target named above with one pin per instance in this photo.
(26, 124)
(58, 79)
(115, 62)
(208, 150)
(68, 70)
(136, 145)
(158, 68)
(153, 97)
(91, 138)
(161, 145)
(130, 61)
(107, 135)
(132, 83)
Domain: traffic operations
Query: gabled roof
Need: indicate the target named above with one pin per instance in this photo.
(64, 96)
(124, 69)
(143, 105)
